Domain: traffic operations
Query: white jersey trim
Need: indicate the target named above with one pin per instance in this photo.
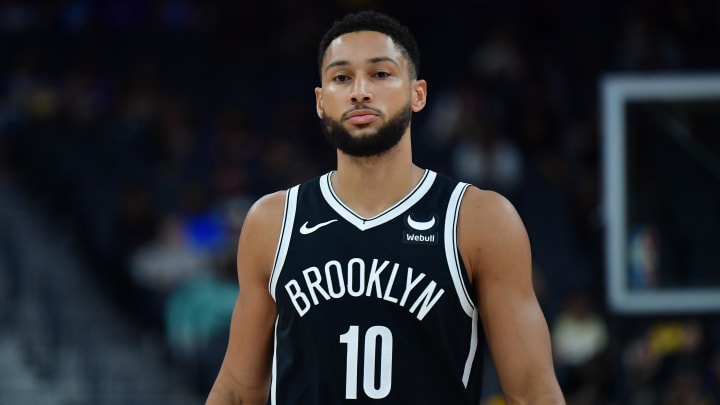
(473, 348)
(284, 240)
(273, 381)
(451, 251)
(453, 259)
(389, 214)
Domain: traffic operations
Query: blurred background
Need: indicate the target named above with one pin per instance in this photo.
(134, 135)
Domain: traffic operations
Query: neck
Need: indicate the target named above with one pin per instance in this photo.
(370, 185)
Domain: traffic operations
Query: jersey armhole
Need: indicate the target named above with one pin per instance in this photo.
(451, 250)
(284, 239)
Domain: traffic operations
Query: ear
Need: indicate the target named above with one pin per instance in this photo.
(419, 95)
(319, 102)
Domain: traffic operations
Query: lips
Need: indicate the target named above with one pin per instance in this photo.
(359, 117)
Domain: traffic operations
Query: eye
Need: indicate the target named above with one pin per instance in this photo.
(340, 78)
(382, 74)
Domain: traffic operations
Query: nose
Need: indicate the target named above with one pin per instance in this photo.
(360, 93)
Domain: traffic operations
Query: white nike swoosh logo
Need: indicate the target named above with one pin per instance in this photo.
(420, 226)
(305, 230)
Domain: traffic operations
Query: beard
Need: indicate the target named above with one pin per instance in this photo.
(386, 137)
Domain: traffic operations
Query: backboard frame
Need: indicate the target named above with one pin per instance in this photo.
(616, 91)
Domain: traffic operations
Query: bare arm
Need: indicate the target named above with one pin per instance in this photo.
(244, 377)
(495, 247)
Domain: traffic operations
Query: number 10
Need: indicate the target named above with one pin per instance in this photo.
(351, 337)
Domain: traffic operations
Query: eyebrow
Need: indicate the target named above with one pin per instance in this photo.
(377, 59)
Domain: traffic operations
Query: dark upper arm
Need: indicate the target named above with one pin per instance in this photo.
(245, 372)
(496, 251)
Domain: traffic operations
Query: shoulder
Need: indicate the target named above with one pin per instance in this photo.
(490, 230)
(266, 213)
(486, 206)
(268, 208)
(261, 229)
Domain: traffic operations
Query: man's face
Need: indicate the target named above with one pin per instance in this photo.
(367, 98)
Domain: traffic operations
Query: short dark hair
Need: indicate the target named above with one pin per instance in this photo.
(374, 21)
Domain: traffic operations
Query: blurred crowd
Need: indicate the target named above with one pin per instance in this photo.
(147, 128)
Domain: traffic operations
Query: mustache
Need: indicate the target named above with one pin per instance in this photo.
(361, 107)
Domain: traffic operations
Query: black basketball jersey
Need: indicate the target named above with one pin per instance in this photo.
(374, 310)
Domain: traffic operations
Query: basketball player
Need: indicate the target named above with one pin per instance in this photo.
(380, 282)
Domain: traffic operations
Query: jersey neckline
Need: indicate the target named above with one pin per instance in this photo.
(389, 214)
